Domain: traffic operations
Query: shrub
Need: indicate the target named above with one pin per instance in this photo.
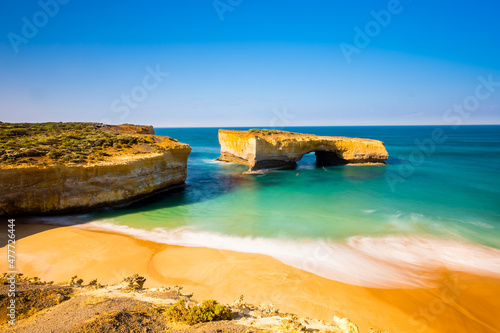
(48, 141)
(209, 310)
(134, 282)
(32, 152)
(98, 143)
(16, 132)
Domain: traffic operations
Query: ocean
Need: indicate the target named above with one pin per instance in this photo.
(436, 204)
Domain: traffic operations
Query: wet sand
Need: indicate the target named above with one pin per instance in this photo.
(457, 302)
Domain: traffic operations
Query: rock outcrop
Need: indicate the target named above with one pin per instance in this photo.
(272, 149)
(125, 175)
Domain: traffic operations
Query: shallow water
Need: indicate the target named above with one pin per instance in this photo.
(435, 204)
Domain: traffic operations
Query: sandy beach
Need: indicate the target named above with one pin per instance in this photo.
(461, 302)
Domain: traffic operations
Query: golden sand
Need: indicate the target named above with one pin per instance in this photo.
(461, 303)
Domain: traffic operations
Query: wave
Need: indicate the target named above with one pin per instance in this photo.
(379, 262)
(211, 161)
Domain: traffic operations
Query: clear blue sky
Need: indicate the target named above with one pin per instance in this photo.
(249, 62)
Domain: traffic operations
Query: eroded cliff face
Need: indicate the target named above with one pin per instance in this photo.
(120, 179)
(263, 149)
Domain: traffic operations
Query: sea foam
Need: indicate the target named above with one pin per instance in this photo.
(380, 262)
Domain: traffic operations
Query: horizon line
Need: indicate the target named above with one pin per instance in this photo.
(278, 127)
(255, 126)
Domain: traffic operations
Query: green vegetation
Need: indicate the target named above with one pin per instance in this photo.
(209, 310)
(266, 131)
(62, 143)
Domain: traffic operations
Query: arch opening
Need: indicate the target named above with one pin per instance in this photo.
(325, 158)
(307, 161)
(319, 158)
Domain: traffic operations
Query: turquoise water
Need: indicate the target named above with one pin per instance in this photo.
(442, 196)
(455, 192)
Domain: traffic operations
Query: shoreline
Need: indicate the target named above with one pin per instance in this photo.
(461, 302)
(376, 262)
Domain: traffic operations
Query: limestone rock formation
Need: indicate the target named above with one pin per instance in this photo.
(121, 176)
(272, 149)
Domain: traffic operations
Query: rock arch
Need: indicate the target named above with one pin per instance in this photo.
(271, 149)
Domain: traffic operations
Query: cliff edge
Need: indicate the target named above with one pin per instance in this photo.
(50, 168)
(273, 149)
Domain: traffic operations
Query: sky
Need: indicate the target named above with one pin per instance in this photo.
(265, 63)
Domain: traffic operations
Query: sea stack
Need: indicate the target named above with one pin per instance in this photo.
(70, 167)
(274, 149)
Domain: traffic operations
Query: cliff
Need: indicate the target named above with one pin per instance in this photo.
(272, 149)
(72, 167)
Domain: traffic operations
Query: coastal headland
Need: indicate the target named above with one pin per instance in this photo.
(49, 168)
